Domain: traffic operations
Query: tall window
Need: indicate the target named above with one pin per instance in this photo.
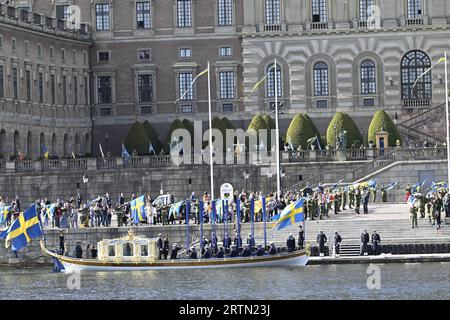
(63, 12)
(53, 88)
(366, 9)
(184, 81)
(368, 78)
(226, 79)
(64, 89)
(273, 12)
(15, 83)
(145, 87)
(86, 91)
(28, 84)
(225, 13)
(414, 9)
(41, 87)
(143, 15)
(320, 79)
(319, 10)
(271, 81)
(2, 92)
(414, 64)
(184, 17)
(102, 16)
(75, 91)
(104, 89)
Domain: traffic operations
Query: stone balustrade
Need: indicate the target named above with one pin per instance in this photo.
(90, 164)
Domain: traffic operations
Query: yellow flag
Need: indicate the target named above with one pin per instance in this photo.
(192, 83)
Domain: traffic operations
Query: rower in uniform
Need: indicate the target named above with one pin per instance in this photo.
(174, 251)
(260, 251)
(220, 253)
(246, 252)
(233, 252)
(193, 253)
(290, 243)
(272, 249)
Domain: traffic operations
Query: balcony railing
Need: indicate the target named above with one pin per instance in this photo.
(272, 28)
(319, 25)
(414, 22)
(26, 165)
(417, 103)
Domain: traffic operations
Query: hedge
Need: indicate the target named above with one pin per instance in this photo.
(343, 121)
(137, 139)
(154, 137)
(382, 121)
(299, 131)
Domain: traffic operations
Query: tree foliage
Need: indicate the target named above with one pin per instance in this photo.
(299, 131)
(154, 137)
(343, 122)
(137, 139)
(382, 121)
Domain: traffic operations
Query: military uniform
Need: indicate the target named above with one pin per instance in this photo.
(357, 201)
(413, 216)
(351, 194)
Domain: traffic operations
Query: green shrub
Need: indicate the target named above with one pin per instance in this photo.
(299, 131)
(153, 136)
(343, 122)
(176, 124)
(381, 120)
(316, 131)
(258, 123)
(137, 139)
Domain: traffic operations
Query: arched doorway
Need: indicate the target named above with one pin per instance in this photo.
(16, 141)
(77, 144)
(65, 145)
(3, 144)
(29, 145)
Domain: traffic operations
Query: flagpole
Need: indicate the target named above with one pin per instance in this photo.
(277, 134)
(210, 134)
(447, 120)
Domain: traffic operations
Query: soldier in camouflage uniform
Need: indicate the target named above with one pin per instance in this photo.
(336, 203)
(351, 194)
(413, 215)
(422, 202)
(344, 199)
(311, 211)
(357, 200)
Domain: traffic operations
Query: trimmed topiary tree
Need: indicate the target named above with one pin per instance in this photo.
(137, 139)
(271, 126)
(343, 122)
(316, 131)
(381, 120)
(299, 131)
(258, 123)
(176, 124)
(153, 136)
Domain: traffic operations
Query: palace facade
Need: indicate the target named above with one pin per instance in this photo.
(130, 60)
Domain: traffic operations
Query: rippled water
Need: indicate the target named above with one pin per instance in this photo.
(398, 281)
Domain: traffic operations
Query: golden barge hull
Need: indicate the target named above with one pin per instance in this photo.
(294, 259)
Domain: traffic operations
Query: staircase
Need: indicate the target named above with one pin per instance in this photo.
(363, 172)
(349, 250)
(432, 118)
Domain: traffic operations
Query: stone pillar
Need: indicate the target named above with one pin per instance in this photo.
(341, 155)
(370, 154)
(91, 164)
(10, 167)
(38, 166)
(312, 155)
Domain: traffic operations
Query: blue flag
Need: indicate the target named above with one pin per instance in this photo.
(23, 229)
(138, 209)
(125, 155)
(292, 214)
(151, 149)
(4, 213)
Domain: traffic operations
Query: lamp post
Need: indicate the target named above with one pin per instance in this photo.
(246, 177)
(107, 142)
(85, 181)
(362, 136)
(282, 175)
(269, 176)
(335, 136)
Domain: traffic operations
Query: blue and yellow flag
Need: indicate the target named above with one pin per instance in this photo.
(23, 229)
(45, 151)
(292, 214)
(175, 209)
(138, 209)
(4, 213)
(50, 208)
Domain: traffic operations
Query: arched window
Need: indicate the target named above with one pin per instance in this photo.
(3, 143)
(29, 145)
(368, 77)
(414, 9)
(54, 143)
(271, 81)
(273, 12)
(65, 145)
(42, 146)
(414, 64)
(16, 140)
(321, 79)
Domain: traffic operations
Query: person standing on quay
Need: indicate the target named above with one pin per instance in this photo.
(321, 240)
(337, 242)
(375, 242)
(364, 243)
(357, 200)
(166, 246)
(61, 243)
(301, 238)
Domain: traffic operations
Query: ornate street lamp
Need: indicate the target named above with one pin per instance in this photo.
(246, 177)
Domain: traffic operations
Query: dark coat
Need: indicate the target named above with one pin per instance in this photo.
(364, 238)
(290, 244)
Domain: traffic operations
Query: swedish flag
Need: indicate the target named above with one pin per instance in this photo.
(175, 209)
(138, 209)
(4, 213)
(50, 208)
(292, 214)
(23, 229)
